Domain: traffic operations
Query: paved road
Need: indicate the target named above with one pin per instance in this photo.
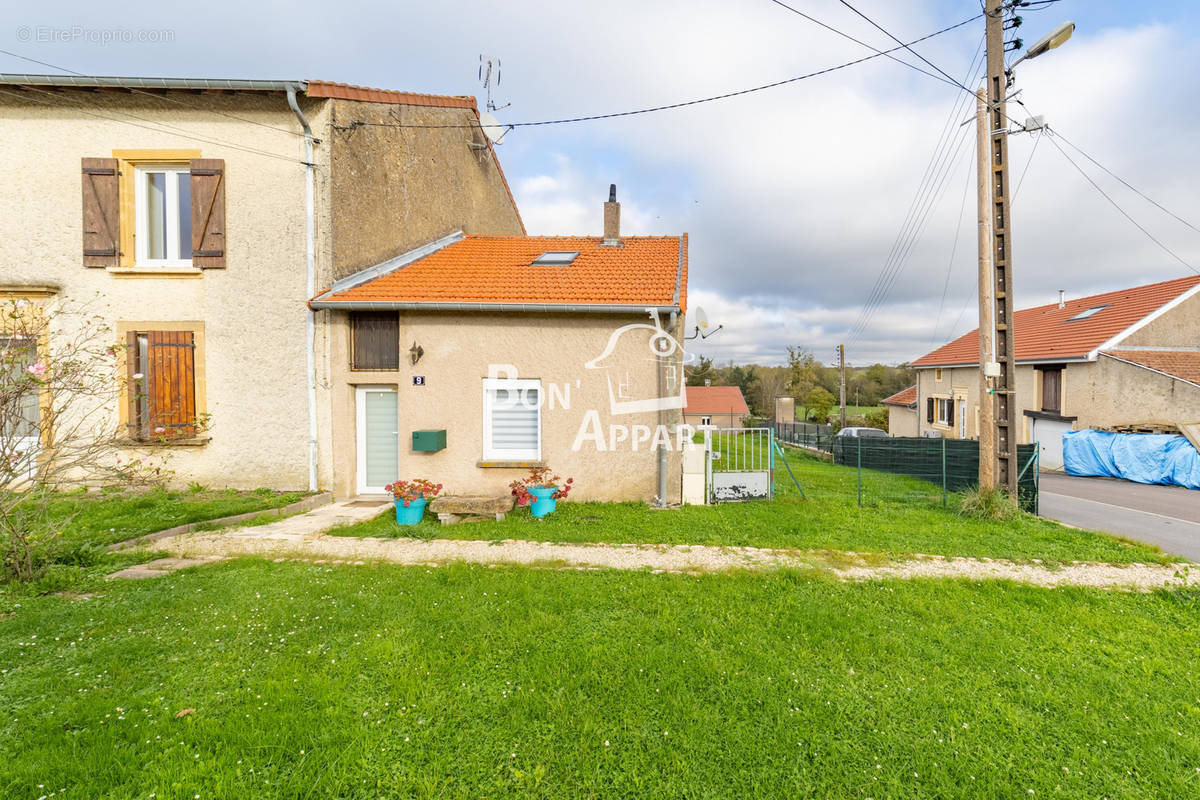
(1167, 516)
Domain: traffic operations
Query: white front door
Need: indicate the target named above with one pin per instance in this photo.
(378, 415)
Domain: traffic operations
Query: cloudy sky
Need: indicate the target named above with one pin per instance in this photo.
(795, 197)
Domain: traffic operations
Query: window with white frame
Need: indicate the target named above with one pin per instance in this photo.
(20, 413)
(512, 419)
(706, 420)
(943, 410)
(163, 207)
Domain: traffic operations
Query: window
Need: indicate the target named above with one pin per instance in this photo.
(162, 384)
(706, 420)
(937, 374)
(1085, 314)
(163, 205)
(943, 410)
(556, 258)
(20, 429)
(1052, 390)
(512, 419)
(374, 340)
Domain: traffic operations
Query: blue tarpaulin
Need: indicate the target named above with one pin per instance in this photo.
(1143, 457)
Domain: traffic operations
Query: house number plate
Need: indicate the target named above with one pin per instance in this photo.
(418, 380)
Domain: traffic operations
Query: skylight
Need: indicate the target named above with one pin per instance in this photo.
(1090, 312)
(556, 257)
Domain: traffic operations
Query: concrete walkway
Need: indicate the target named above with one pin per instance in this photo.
(303, 537)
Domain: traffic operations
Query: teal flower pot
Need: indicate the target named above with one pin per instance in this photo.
(412, 513)
(544, 503)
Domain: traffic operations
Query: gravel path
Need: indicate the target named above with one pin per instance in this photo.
(315, 545)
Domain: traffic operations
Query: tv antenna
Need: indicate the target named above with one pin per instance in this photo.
(489, 76)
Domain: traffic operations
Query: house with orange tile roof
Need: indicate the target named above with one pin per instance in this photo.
(902, 412)
(723, 406)
(474, 357)
(1127, 360)
(195, 217)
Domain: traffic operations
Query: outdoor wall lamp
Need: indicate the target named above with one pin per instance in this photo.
(415, 352)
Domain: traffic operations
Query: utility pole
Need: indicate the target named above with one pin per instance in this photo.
(1002, 297)
(842, 356)
(987, 432)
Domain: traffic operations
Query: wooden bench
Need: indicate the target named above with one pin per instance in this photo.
(452, 509)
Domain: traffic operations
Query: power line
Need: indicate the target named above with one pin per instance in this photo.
(1036, 141)
(1126, 184)
(950, 264)
(686, 103)
(845, 35)
(907, 47)
(135, 90)
(1117, 206)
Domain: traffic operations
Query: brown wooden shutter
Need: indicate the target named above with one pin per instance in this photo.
(929, 409)
(1052, 390)
(208, 212)
(171, 384)
(101, 217)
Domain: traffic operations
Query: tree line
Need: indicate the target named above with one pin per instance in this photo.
(814, 386)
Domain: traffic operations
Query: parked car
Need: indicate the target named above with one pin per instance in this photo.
(864, 433)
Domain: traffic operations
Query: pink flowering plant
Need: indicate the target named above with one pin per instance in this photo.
(407, 491)
(540, 478)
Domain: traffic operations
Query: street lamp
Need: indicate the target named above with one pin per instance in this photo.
(1047, 42)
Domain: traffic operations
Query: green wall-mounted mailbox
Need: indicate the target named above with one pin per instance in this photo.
(429, 441)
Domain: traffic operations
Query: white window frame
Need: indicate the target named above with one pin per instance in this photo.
(28, 447)
(140, 210)
(706, 420)
(941, 410)
(490, 386)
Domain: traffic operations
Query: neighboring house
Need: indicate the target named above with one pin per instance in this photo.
(722, 406)
(902, 412)
(1125, 360)
(472, 358)
(211, 211)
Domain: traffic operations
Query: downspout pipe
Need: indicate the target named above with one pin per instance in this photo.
(662, 416)
(310, 272)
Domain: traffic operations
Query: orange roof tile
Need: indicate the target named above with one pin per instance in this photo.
(1177, 363)
(905, 397)
(1047, 333)
(714, 400)
(643, 271)
(347, 91)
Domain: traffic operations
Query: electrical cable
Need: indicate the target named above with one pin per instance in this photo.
(906, 47)
(1117, 206)
(950, 265)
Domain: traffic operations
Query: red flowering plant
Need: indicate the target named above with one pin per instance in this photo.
(407, 491)
(540, 478)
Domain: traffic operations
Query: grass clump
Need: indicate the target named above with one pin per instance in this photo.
(993, 504)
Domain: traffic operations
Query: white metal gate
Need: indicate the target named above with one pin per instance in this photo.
(740, 463)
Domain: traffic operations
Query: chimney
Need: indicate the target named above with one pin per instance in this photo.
(612, 219)
(1062, 299)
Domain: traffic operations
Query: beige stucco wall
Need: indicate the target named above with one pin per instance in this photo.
(458, 351)
(1110, 393)
(1101, 394)
(393, 189)
(1179, 327)
(252, 311)
(902, 421)
(720, 420)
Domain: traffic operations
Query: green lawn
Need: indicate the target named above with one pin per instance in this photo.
(383, 681)
(103, 518)
(901, 516)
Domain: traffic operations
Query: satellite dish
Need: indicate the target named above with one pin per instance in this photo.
(701, 319)
(492, 127)
(703, 330)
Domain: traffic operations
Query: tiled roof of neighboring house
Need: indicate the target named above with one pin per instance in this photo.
(1180, 364)
(714, 400)
(643, 271)
(905, 397)
(1047, 333)
(347, 91)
